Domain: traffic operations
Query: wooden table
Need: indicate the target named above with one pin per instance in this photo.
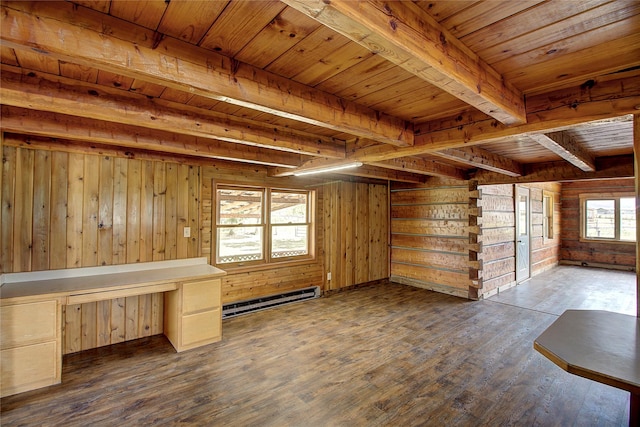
(599, 345)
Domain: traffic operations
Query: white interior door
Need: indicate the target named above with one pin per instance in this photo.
(523, 227)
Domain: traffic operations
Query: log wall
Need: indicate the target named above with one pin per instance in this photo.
(459, 238)
(592, 253)
(65, 209)
(497, 237)
(499, 228)
(545, 253)
(430, 236)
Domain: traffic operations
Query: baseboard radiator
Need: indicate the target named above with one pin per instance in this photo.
(262, 303)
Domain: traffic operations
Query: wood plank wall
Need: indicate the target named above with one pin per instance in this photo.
(575, 252)
(70, 208)
(355, 232)
(430, 236)
(351, 236)
(67, 210)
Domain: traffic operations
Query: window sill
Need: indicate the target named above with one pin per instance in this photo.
(261, 267)
(614, 242)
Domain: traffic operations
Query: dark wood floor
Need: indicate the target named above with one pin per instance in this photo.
(380, 355)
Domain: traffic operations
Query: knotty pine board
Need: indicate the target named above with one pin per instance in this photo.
(65, 210)
(351, 236)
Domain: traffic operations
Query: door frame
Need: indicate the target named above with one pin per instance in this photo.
(525, 190)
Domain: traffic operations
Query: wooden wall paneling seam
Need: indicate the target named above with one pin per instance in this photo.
(134, 184)
(75, 192)
(182, 212)
(41, 210)
(120, 177)
(90, 212)
(131, 317)
(72, 331)
(118, 323)
(105, 211)
(103, 323)
(9, 155)
(193, 219)
(171, 211)
(159, 195)
(22, 221)
(59, 207)
(146, 211)
(88, 334)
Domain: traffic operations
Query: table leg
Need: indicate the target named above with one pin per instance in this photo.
(634, 412)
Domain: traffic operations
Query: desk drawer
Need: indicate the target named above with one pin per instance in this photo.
(199, 296)
(28, 323)
(199, 327)
(29, 367)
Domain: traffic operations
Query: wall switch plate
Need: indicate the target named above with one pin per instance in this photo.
(187, 232)
(328, 276)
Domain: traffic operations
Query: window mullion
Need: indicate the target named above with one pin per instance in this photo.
(617, 218)
(267, 224)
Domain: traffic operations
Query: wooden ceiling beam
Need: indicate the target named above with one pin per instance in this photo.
(606, 167)
(422, 166)
(409, 37)
(91, 41)
(552, 111)
(114, 105)
(565, 146)
(481, 158)
(70, 146)
(43, 123)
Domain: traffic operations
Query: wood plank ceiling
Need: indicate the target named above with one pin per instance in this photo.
(496, 90)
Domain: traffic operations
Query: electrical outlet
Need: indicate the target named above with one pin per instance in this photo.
(328, 276)
(187, 232)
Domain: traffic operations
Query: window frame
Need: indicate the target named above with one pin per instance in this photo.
(266, 225)
(548, 215)
(585, 197)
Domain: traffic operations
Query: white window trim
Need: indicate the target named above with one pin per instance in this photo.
(548, 230)
(603, 196)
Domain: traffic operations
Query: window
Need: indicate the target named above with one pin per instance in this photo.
(262, 225)
(547, 219)
(608, 217)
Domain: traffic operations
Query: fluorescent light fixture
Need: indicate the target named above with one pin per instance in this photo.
(329, 169)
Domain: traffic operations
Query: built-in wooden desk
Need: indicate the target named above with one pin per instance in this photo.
(31, 311)
(598, 345)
